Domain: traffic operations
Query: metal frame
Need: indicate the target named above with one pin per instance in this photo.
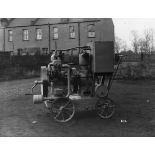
(102, 102)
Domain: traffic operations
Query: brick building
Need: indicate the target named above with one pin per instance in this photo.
(1, 37)
(46, 34)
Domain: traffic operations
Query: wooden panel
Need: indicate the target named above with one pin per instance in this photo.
(103, 60)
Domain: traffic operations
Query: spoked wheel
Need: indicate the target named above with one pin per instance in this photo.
(63, 109)
(105, 107)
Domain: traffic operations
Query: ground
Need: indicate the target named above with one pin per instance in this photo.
(134, 116)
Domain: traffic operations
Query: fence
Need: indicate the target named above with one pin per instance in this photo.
(24, 61)
(137, 66)
(29, 65)
(12, 67)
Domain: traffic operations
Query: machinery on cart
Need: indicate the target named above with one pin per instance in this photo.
(78, 79)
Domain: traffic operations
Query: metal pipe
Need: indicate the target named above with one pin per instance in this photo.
(4, 39)
(52, 89)
(113, 75)
(49, 38)
(79, 37)
(69, 85)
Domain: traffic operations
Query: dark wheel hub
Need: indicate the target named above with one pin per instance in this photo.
(105, 107)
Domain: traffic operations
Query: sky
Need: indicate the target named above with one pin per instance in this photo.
(124, 26)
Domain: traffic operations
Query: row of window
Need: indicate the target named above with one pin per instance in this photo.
(39, 33)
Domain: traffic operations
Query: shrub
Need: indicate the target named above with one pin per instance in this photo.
(139, 70)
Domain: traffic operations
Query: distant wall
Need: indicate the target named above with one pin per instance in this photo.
(1, 39)
(104, 32)
(18, 41)
(64, 41)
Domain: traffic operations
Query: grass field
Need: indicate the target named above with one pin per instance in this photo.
(135, 113)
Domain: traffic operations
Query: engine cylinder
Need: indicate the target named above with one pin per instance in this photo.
(84, 59)
(37, 99)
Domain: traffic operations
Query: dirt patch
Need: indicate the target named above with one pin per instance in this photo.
(135, 113)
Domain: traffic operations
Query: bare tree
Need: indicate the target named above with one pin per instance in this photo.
(124, 46)
(120, 45)
(135, 41)
(143, 44)
(148, 41)
(117, 44)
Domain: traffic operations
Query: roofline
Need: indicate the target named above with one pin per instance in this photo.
(35, 21)
(11, 20)
(54, 24)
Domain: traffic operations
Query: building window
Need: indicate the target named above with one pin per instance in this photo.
(38, 34)
(91, 31)
(72, 32)
(55, 33)
(25, 34)
(10, 35)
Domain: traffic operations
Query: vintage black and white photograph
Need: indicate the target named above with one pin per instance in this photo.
(77, 77)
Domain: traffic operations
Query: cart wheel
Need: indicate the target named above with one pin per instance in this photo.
(105, 108)
(63, 109)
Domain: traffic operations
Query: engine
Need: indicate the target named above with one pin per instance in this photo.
(79, 70)
(78, 76)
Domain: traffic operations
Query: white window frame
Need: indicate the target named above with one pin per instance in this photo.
(72, 32)
(55, 33)
(39, 34)
(25, 34)
(10, 35)
(91, 31)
